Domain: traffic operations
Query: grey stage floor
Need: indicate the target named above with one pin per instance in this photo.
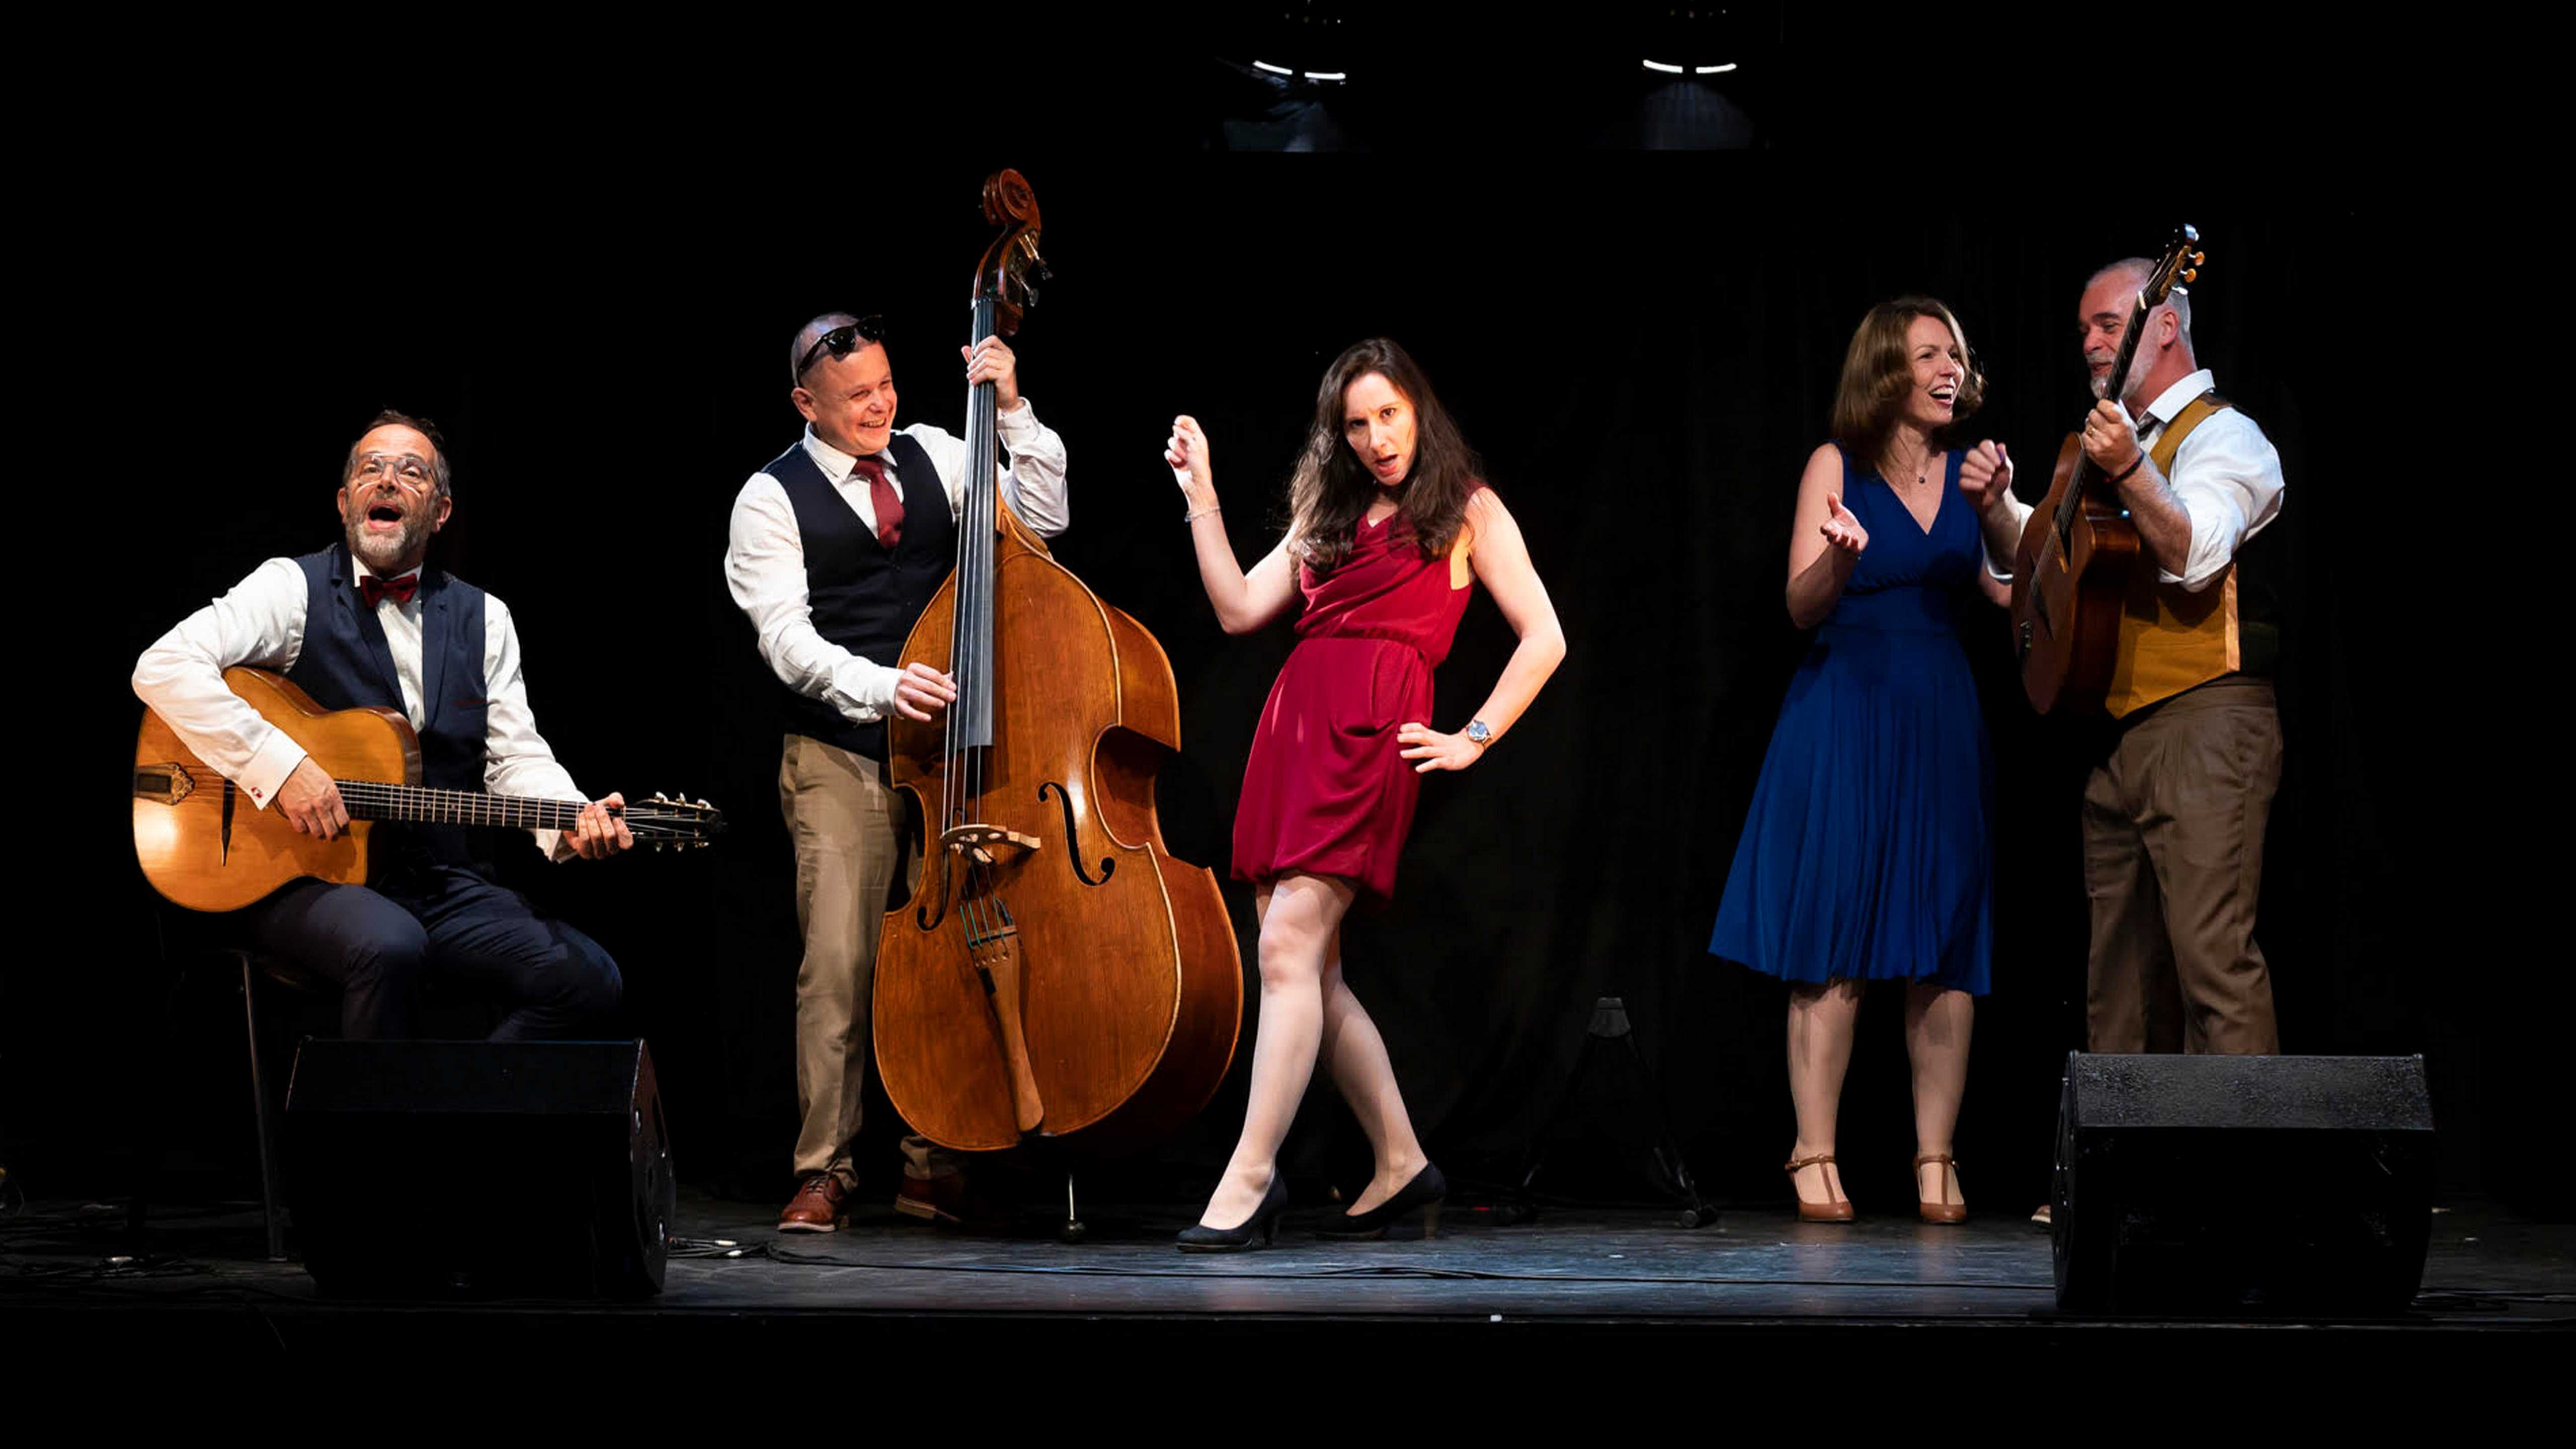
(2487, 1269)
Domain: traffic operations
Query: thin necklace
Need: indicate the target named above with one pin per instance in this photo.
(1922, 469)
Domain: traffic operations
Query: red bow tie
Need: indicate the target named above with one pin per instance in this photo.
(375, 590)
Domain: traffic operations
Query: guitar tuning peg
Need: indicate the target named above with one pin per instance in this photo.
(2190, 275)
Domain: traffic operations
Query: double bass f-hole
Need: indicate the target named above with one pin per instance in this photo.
(1072, 855)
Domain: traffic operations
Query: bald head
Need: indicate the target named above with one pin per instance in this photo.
(2130, 275)
(811, 333)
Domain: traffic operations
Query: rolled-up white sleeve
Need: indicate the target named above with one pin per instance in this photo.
(765, 569)
(1035, 481)
(2227, 477)
(260, 621)
(1033, 484)
(516, 759)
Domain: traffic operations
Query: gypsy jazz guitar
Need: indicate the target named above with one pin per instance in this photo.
(203, 847)
(2071, 570)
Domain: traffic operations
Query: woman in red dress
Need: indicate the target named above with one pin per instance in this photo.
(1389, 526)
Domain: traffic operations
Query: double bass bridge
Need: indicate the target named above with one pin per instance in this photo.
(976, 841)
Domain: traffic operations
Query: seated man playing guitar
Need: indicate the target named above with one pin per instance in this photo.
(363, 624)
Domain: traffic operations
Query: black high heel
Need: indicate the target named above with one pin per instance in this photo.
(1427, 1191)
(1264, 1222)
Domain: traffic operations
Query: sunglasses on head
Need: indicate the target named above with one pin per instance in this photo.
(841, 341)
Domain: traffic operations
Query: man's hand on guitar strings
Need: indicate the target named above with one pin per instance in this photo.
(310, 800)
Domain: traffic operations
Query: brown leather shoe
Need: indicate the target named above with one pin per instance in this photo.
(1938, 1210)
(816, 1207)
(940, 1199)
(1837, 1210)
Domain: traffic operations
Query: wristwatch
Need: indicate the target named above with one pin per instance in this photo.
(1479, 733)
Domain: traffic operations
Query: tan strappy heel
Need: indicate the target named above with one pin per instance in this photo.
(1813, 1212)
(1938, 1212)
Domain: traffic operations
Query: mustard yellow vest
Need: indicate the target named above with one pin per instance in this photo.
(2173, 638)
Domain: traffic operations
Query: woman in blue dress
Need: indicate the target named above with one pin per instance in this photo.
(1865, 854)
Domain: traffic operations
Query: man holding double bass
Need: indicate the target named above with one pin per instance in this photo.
(2176, 804)
(836, 547)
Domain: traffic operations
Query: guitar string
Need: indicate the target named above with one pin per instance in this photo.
(424, 804)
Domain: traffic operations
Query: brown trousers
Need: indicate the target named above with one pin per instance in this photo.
(841, 815)
(2173, 862)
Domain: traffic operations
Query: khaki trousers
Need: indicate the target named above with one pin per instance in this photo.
(841, 816)
(2173, 861)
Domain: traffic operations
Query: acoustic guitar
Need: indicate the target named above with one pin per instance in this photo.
(2071, 570)
(205, 847)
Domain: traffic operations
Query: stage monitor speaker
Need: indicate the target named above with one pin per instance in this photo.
(484, 1169)
(2233, 1186)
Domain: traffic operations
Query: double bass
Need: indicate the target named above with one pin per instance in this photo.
(2072, 567)
(1056, 974)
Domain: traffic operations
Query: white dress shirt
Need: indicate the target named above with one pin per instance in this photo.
(2226, 476)
(765, 554)
(261, 622)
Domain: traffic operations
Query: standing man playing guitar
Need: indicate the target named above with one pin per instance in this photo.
(2175, 808)
(363, 624)
(836, 547)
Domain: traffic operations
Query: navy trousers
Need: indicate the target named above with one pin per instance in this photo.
(381, 942)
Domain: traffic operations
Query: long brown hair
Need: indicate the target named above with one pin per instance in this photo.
(1330, 491)
(1877, 375)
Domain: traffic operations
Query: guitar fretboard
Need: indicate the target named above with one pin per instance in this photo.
(376, 800)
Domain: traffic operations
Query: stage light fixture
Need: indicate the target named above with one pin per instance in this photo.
(1713, 69)
(1328, 75)
(1273, 69)
(1666, 69)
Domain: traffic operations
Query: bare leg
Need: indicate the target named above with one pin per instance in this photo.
(1356, 1056)
(1300, 916)
(1820, 1043)
(1936, 1040)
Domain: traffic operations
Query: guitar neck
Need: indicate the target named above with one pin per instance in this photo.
(2086, 475)
(376, 800)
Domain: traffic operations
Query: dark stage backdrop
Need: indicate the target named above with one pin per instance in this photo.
(1643, 346)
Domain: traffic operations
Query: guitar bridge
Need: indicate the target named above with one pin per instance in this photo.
(165, 784)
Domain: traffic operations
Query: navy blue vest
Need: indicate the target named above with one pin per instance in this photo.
(865, 597)
(346, 664)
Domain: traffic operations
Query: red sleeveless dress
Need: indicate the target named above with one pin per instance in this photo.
(1327, 789)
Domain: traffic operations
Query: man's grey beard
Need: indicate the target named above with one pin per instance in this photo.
(389, 553)
(2137, 381)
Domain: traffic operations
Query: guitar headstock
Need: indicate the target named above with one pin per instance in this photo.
(668, 822)
(1003, 272)
(2178, 267)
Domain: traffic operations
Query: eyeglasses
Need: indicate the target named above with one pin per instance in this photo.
(407, 469)
(841, 341)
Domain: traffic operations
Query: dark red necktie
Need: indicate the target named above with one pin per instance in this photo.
(375, 590)
(883, 497)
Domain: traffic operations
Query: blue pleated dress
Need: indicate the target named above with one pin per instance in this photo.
(1867, 852)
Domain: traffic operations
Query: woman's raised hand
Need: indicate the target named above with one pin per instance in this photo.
(1986, 476)
(1841, 529)
(1187, 451)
